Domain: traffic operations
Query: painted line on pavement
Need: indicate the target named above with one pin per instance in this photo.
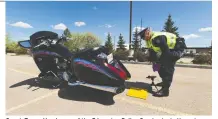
(156, 108)
(31, 101)
(22, 72)
(143, 104)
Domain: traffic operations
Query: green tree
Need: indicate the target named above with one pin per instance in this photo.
(121, 43)
(67, 32)
(90, 40)
(136, 41)
(13, 47)
(10, 45)
(19, 50)
(7, 39)
(108, 43)
(82, 40)
(169, 26)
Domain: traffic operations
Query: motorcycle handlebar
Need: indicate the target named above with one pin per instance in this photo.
(42, 43)
(47, 43)
(63, 39)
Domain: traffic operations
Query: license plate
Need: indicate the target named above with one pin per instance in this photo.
(110, 58)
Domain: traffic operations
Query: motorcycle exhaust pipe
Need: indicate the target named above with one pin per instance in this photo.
(115, 90)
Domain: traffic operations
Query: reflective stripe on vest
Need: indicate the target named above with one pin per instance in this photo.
(171, 40)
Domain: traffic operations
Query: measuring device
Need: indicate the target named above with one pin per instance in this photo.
(152, 81)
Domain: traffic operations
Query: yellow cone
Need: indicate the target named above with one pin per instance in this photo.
(138, 93)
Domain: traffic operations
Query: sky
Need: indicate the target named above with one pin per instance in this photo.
(194, 19)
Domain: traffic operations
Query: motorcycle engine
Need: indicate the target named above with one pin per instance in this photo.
(61, 63)
(62, 67)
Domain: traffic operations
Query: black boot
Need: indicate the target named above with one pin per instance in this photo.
(164, 92)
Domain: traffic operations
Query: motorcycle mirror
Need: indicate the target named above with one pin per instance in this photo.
(24, 44)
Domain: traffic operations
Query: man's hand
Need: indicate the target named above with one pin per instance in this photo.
(156, 67)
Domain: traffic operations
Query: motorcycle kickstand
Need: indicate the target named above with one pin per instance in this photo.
(152, 81)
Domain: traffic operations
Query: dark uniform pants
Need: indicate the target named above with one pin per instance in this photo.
(166, 72)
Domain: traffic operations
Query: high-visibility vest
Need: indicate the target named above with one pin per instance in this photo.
(171, 40)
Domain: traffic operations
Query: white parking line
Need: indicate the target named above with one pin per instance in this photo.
(143, 104)
(153, 107)
(22, 72)
(31, 101)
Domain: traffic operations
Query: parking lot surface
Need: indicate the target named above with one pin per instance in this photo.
(190, 94)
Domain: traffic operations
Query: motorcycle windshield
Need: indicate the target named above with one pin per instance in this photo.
(36, 38)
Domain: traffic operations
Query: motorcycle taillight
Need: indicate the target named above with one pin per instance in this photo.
(117, 69)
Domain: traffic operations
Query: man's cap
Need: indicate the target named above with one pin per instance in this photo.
(142, 32)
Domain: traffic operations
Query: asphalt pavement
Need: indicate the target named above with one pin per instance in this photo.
(190, 94)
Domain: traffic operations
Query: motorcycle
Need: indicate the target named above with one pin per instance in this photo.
(92, 67)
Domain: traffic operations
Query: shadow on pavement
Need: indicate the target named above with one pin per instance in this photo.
(77, 93)
(81, 93)
(34, 82)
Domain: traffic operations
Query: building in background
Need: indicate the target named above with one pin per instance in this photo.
(197, 50)
(190, 50)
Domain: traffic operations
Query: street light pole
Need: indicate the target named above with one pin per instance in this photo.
(114, 43)
(130, 26)
(140, 38)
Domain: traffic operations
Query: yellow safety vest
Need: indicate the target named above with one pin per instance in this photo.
(171, 40)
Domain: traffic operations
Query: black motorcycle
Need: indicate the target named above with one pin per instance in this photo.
(92, 67)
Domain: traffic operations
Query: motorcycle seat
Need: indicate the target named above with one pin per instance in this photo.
(88, 51)
(81, 52)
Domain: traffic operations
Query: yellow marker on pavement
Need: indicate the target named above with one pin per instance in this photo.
(138, 93)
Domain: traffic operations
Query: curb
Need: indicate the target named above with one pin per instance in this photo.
(177, 65)
(195, 66)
